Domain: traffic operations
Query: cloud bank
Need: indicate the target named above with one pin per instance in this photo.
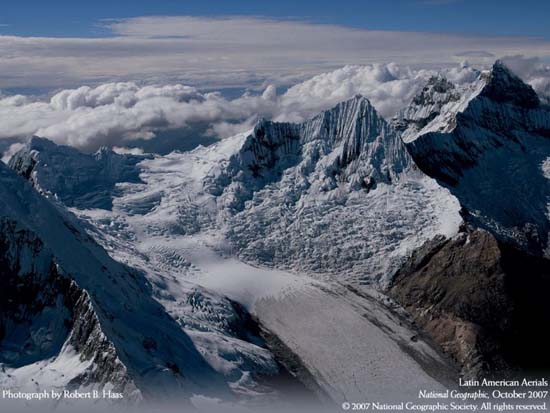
(122, 113)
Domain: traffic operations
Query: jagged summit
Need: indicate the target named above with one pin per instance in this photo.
(104, 151)
(365, 143)
(435, 107)
(349, 146)
(38, 143)
(437, 85)
(503, 86)
(426, 106)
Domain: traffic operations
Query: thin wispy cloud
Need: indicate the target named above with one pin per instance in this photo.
(475, 54)
(232, 51)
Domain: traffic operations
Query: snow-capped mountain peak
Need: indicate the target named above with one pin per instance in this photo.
(486, 145)
(427, 105)
(436, 107)
(503, 86)
(349, 147)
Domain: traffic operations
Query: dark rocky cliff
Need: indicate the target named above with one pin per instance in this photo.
(484, 302)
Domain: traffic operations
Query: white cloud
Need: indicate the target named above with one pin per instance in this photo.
(12, 150)
(534, 70)
(233, 51)
(116, 114)
(128, 151)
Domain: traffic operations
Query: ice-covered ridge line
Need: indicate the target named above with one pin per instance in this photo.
(358, 127)
(436, 107)
(74, 178)
(349, 147)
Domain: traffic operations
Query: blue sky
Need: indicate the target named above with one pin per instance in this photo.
(63, 18)
(223, 44)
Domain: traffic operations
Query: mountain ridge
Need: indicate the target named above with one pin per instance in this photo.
(343, 198)
(78, 179)
(485, 146)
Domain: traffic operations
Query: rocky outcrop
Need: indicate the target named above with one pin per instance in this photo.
(484, 302)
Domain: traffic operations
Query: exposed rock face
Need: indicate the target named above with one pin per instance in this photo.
(76, 179)
(485, 303)
(487, 142)
(503, 86)
(44, 314)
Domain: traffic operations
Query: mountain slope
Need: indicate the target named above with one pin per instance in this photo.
(336, 198)
(489, 143)
(484, 302)
(336, 194)
(119, 337)
(176, 340)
